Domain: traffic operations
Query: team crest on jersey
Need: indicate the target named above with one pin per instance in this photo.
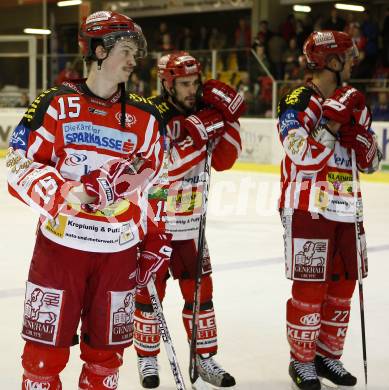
(42, 309)
(130, 119)
(122, 313)
(310, 259)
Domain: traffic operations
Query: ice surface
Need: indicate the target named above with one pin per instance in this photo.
(245, 240)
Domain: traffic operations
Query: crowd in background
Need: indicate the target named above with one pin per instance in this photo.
(278, 55)
(250, 63)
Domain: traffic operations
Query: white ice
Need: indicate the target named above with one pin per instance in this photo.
(245, 239)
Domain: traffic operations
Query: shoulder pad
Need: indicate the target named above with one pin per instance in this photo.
(144, 103)
(33, 117)
(298, 99)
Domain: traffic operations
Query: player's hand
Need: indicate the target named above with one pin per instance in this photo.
(204, 125)
(224, 98)
(362, 141)
(341, 105)
(153, 259)
(115, 180)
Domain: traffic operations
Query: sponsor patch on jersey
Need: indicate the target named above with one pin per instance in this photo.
(19, 137)
(309, 259)
(121, 328)
(86, 133)
(93, 110)
(75, 159)
(288, 121)
(58, 226)
(342, 182)
(42, 313)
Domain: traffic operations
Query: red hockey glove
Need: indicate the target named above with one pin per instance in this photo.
(206, 124)
(224, 98)
(154, 258)
(340, 106)
(362, 141)
(115, 180)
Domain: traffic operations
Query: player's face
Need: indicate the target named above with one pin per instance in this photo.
(121, 60)
(186, 90)
(348, 66)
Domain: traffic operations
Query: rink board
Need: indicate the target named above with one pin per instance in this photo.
(262, 151)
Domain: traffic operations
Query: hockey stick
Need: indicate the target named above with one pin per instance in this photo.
(171, 353)
(193, 372)
(358, 222)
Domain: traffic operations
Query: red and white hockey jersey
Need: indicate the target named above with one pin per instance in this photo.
(314, 177)
(67, 132)
(177, 199)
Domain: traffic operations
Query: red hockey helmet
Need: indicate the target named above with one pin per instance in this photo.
(108, 27)
(322, 44)
(178, 64)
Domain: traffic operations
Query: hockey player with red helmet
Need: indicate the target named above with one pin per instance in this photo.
(319, 125)
(196, 115)
(82, 156)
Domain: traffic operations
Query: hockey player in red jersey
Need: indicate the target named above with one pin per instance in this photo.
(195, 114)
(319, 125)
(82, 156)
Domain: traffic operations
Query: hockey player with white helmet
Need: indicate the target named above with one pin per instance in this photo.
(321, 124)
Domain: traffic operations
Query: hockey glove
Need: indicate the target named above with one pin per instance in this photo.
(153, 259)
(340, 106)
(205, 125)
(362, 141)
(115, 180)
(224, 98)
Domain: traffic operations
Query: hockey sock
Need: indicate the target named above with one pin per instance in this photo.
(335, 316)
(206, 331)
(146, 333)
(42, 365)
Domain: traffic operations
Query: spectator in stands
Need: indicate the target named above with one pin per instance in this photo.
(288, 28)
(335, 22)
(245, 88)
(264, 34)
(185, 39)
(385, 39)
(242, 42)
(217, 41)
(277, 46)
(202, 39)
(290, 60)
(68, 73)
(319, 22)
(137, 85)
(158, 37)
(166, 43)
(302, 74)
(371, 31)
(380, 110)
(302, 32)
(358, 38)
